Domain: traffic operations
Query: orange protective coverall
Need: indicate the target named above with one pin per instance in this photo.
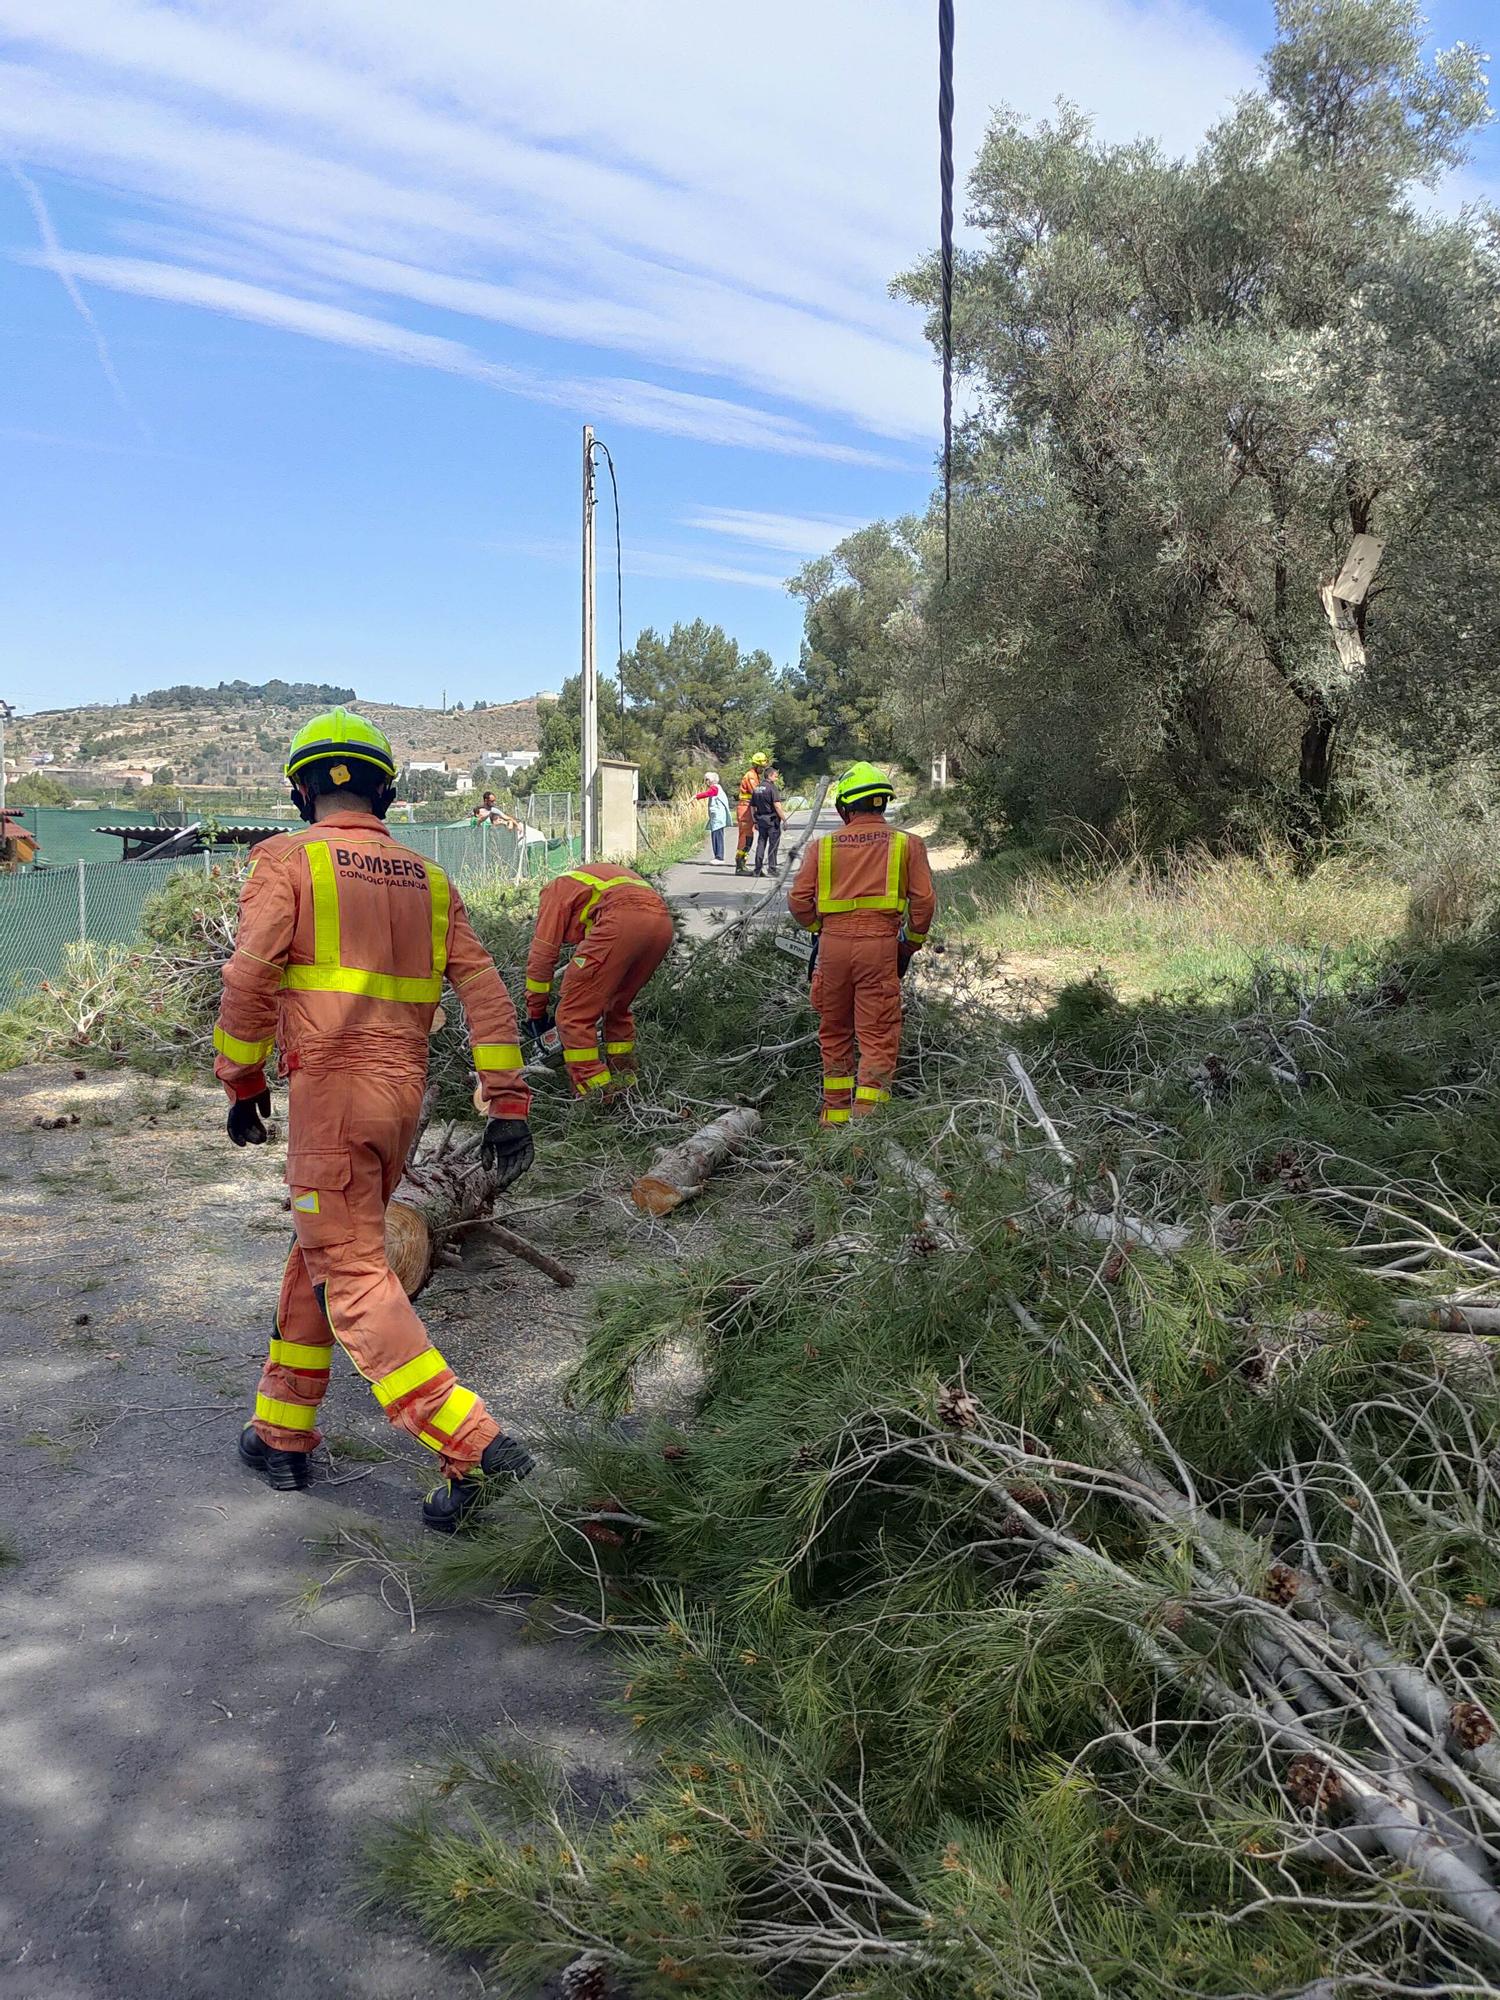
(744, 817)
(626, 930)
(344, 939)
(864, 888)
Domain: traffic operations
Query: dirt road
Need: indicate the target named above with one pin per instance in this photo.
(193, 1753)
(195, 1748)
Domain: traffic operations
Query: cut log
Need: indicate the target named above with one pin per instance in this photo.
(443, 1186)
(680, 1172)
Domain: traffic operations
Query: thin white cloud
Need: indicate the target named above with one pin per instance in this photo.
(52, 258)
(646, 405)
(788, 534)
(669, 564)
(499, 164)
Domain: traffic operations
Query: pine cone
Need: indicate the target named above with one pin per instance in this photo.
(1471, 1725)
(1282, 1584)
(1032, 1498)
(1314, 1784)
(957, 1409)
(1013, 1528)
(1174, 1616)
(585, 1979)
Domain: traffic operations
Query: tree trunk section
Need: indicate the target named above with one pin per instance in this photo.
(443, 1185)
(680, 1172)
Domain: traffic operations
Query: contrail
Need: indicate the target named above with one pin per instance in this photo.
(57, 264)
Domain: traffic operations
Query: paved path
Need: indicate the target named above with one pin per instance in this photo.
(710, 892)
(193, 1758)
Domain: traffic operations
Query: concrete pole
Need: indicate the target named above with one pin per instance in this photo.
(6, 712)
(589, 748)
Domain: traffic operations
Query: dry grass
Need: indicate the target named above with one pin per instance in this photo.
(1195, 920)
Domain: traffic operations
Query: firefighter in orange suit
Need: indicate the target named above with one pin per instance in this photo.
(867, 891)
(623, 931)
(745, 813)
(344, 940)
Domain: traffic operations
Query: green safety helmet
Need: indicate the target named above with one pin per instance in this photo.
(337, 737)
(861, 782)
(761, 757)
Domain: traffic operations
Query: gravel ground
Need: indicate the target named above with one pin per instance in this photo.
(194, 1751)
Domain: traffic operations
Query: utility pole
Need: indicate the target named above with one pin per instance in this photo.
(589, 748)
(6, 712)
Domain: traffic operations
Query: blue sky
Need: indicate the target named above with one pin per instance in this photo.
(303, 304)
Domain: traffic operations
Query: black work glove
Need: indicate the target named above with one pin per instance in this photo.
(812, 956)
(506, 1150)
(905, 953)
(536, 1029)
(247, 1119)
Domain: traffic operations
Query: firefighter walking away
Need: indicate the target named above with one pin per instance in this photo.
(344, 942)
(867, 891)
(623, 931)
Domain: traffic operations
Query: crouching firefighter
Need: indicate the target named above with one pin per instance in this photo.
(344, 941)
(623, 931)
(867, 892)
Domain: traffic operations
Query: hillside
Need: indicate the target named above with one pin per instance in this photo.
(244, 744)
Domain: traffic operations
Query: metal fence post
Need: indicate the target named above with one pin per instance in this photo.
(83, 913)
(570, 823)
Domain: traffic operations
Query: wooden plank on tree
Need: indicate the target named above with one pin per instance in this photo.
(1360, 565)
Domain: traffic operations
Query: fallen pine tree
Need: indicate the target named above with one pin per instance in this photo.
(1087, 1583)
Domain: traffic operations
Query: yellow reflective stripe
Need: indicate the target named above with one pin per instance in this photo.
(325, 889)
(539, 986)
(836, 1116)
(581, 1055)
(298, 1354)
(498, 1055)
(442, 901)
(352, 979)
(586, 914)
(618, 1048)
(895, 874)
(867, 1094)
(597, 1082)
(290, 1416)
(895, 881)
(916, 937)
(410, 1375)
(440, 1429)
(838, 1083)
(242, 1052)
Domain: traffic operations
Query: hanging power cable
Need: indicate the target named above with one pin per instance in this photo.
(600, 446)
(945, 179)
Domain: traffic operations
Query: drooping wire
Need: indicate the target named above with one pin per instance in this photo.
(614, 487)
(945, 180)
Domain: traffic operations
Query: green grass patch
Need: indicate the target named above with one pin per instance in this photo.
(1200, 921)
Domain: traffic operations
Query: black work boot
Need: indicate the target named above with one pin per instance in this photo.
(286, 1470)
(452, 1501)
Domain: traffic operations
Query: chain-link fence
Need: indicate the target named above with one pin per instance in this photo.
(45, 910)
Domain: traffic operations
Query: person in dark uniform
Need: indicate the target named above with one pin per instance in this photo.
(768, 813)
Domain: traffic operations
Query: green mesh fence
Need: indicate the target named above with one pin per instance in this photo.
(44, 910)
